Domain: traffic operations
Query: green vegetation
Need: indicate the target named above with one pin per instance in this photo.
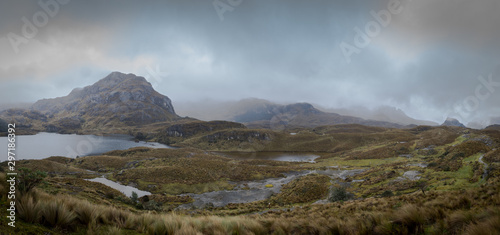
(28, 179)
(424, 180)
(472, 212)
(308, 188)
(338, 194)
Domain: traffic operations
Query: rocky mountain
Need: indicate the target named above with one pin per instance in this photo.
(452, 122)
(258, 111)
(382, 113)
(117, 100)
(302, 115)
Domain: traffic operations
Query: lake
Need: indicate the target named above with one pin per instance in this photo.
(43, 145)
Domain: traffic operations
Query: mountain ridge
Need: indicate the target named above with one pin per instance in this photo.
(115, 101)
(260, 113)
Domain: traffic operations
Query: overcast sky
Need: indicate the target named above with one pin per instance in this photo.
(424, 57)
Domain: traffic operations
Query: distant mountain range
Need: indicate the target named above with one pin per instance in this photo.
(382, 113)
(266, 114)
(122, 102)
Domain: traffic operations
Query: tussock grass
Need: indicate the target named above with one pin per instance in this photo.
(87, 213)
(491, 225)
(56, 214)
(410, 218)
(28, 209)
(114, 231)
(436, 212)
(453, 203)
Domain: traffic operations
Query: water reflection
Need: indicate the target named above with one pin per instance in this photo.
(275, 156)
(44, 145)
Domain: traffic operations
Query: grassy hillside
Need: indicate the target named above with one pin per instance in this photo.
(424, 180)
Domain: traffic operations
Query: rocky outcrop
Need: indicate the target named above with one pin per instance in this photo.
(452, 122)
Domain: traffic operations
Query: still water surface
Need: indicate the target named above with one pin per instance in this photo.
(43, 145)
(275, 156)
(127, 190)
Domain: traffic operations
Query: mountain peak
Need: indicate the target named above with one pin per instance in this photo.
(118, 97)
(120, 77)
(452, 122)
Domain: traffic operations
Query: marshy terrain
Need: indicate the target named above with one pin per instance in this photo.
(351, 179)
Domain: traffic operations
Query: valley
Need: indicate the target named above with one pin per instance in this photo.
(385, 172)
(295, 170)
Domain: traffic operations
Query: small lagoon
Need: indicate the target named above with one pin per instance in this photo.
(275, 156)
(127, 190)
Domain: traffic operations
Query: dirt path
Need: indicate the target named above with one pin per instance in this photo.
(485, 168)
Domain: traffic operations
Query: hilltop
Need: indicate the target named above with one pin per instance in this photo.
(117, 101)
(452, 122)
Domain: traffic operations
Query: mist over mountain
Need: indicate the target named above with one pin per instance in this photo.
(263, 113)
(494, 120)
(126, 99)
(382, 113)
(19, 105)
(253, 110)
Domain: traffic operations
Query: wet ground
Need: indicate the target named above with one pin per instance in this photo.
(246, 192)
(485, 168)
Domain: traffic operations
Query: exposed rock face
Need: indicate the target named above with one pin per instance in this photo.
(125, 98)
(452, 122)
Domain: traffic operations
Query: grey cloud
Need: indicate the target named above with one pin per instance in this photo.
(286, 51)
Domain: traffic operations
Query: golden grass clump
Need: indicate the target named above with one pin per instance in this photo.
(87, 213)
(460, 219)
(28, 209)
(490, 226)
(409, 218)
(56, 214)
